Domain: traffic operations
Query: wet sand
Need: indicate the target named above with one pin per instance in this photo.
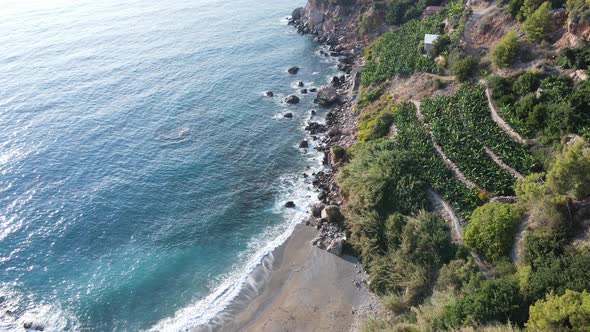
(308, 289)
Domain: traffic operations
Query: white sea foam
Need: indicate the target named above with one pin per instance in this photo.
(17, 309)
(256, 262)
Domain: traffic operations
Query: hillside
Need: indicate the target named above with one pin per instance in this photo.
(467, 191)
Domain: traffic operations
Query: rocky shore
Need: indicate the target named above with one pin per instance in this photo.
(339, 131)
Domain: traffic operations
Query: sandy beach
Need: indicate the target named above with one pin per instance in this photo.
(309, 289)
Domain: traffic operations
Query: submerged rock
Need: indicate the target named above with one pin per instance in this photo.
(269, 93)
(288, 115)
(304, 144)
(303, 91)
(290, 204)
(300, 84)
(292, 99)
(293, 70)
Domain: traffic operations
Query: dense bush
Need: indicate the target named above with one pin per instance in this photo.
(538, 24)
(543, 105)
(491, 230)
(577, 58)
(494, 300)
(568, 312)
(456, 274)
(569, 271)
(465, 69)
(505, 53)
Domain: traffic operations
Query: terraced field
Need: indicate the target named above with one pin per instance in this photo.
(462, 125)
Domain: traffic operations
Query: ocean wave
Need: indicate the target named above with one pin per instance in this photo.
(243, 283)
(18, 310)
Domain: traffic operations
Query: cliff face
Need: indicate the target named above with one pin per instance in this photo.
(333, 21)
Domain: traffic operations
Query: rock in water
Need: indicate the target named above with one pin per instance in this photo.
(290, 204)
(313, 90)
(315, 128)
(332, 214)
(269, 93)
(303, 91)
(288, 115)
(300, 84)
(293, 70)
(304, 144)
(326, 96)
(292, 99)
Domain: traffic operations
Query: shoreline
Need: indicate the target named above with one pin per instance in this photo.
(301, 285)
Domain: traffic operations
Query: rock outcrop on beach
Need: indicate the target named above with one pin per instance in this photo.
(327, 96)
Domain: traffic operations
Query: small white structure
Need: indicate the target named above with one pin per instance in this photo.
(429, 41)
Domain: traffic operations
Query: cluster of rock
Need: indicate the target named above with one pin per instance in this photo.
(327, 219)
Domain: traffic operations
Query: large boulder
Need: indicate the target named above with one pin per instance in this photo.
(332, 214)
(297, 14)
(326, 96)
(292, 99)
(316, 209)
(335, 246)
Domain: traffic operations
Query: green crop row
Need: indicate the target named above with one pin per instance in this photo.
(462, 126)
(412, 137)
(398, 52)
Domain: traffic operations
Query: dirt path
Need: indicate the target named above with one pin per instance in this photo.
(448, 214)
(448, 162)
(498, 119)
(476, 15)
(517, 247)
(502, 165)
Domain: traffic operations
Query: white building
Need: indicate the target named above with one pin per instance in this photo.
(429, 41)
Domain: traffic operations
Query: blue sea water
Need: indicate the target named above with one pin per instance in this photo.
(142, 171)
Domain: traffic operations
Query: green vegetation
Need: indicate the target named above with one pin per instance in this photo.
(578, 11)
(426, 282)
(576, 58)
(568, 312)
(491, 230)
(397, 52)
(538, 24)
(462, 125)
(505, 53)
(543, 105)
(465, 68)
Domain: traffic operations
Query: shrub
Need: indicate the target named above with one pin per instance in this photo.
(504, 54)
(426, 240)
(577, 58)
(568, 312)
(494, 300)
(578, 11)
(465, 68)
(538, 25)
(569, 271)
(456, 274)
(491, 229)
(526, 83)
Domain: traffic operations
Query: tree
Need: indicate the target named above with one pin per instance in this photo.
(505, 52)
(491, 229)
(538, 25)
(568, 312)
(570, 172)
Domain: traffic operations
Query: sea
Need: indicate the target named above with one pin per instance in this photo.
(143, 170)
